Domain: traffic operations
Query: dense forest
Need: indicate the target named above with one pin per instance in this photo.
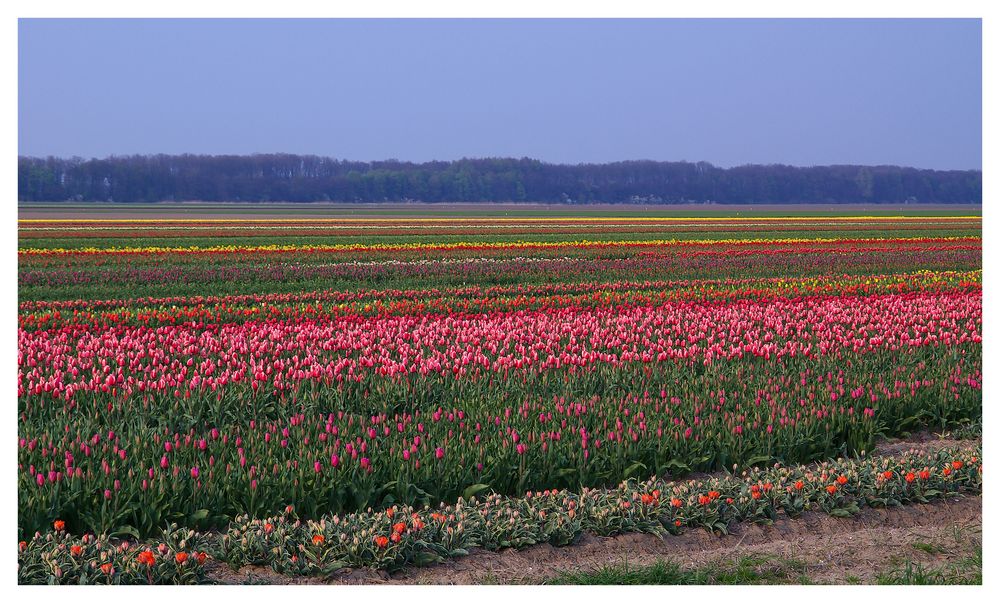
(280, 177)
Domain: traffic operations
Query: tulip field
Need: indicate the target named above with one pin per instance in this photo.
(387, 391)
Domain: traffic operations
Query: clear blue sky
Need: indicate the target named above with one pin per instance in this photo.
(801, 92)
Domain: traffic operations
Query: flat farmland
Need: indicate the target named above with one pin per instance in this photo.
(386, 390)
(236, 211)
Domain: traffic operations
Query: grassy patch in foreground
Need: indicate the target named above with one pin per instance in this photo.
(968, 570)
(770, 569)
(964, 566)
(750, 569)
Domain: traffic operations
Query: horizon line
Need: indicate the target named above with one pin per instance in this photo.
(491, 157)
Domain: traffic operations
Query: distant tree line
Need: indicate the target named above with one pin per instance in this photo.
(281, 177)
